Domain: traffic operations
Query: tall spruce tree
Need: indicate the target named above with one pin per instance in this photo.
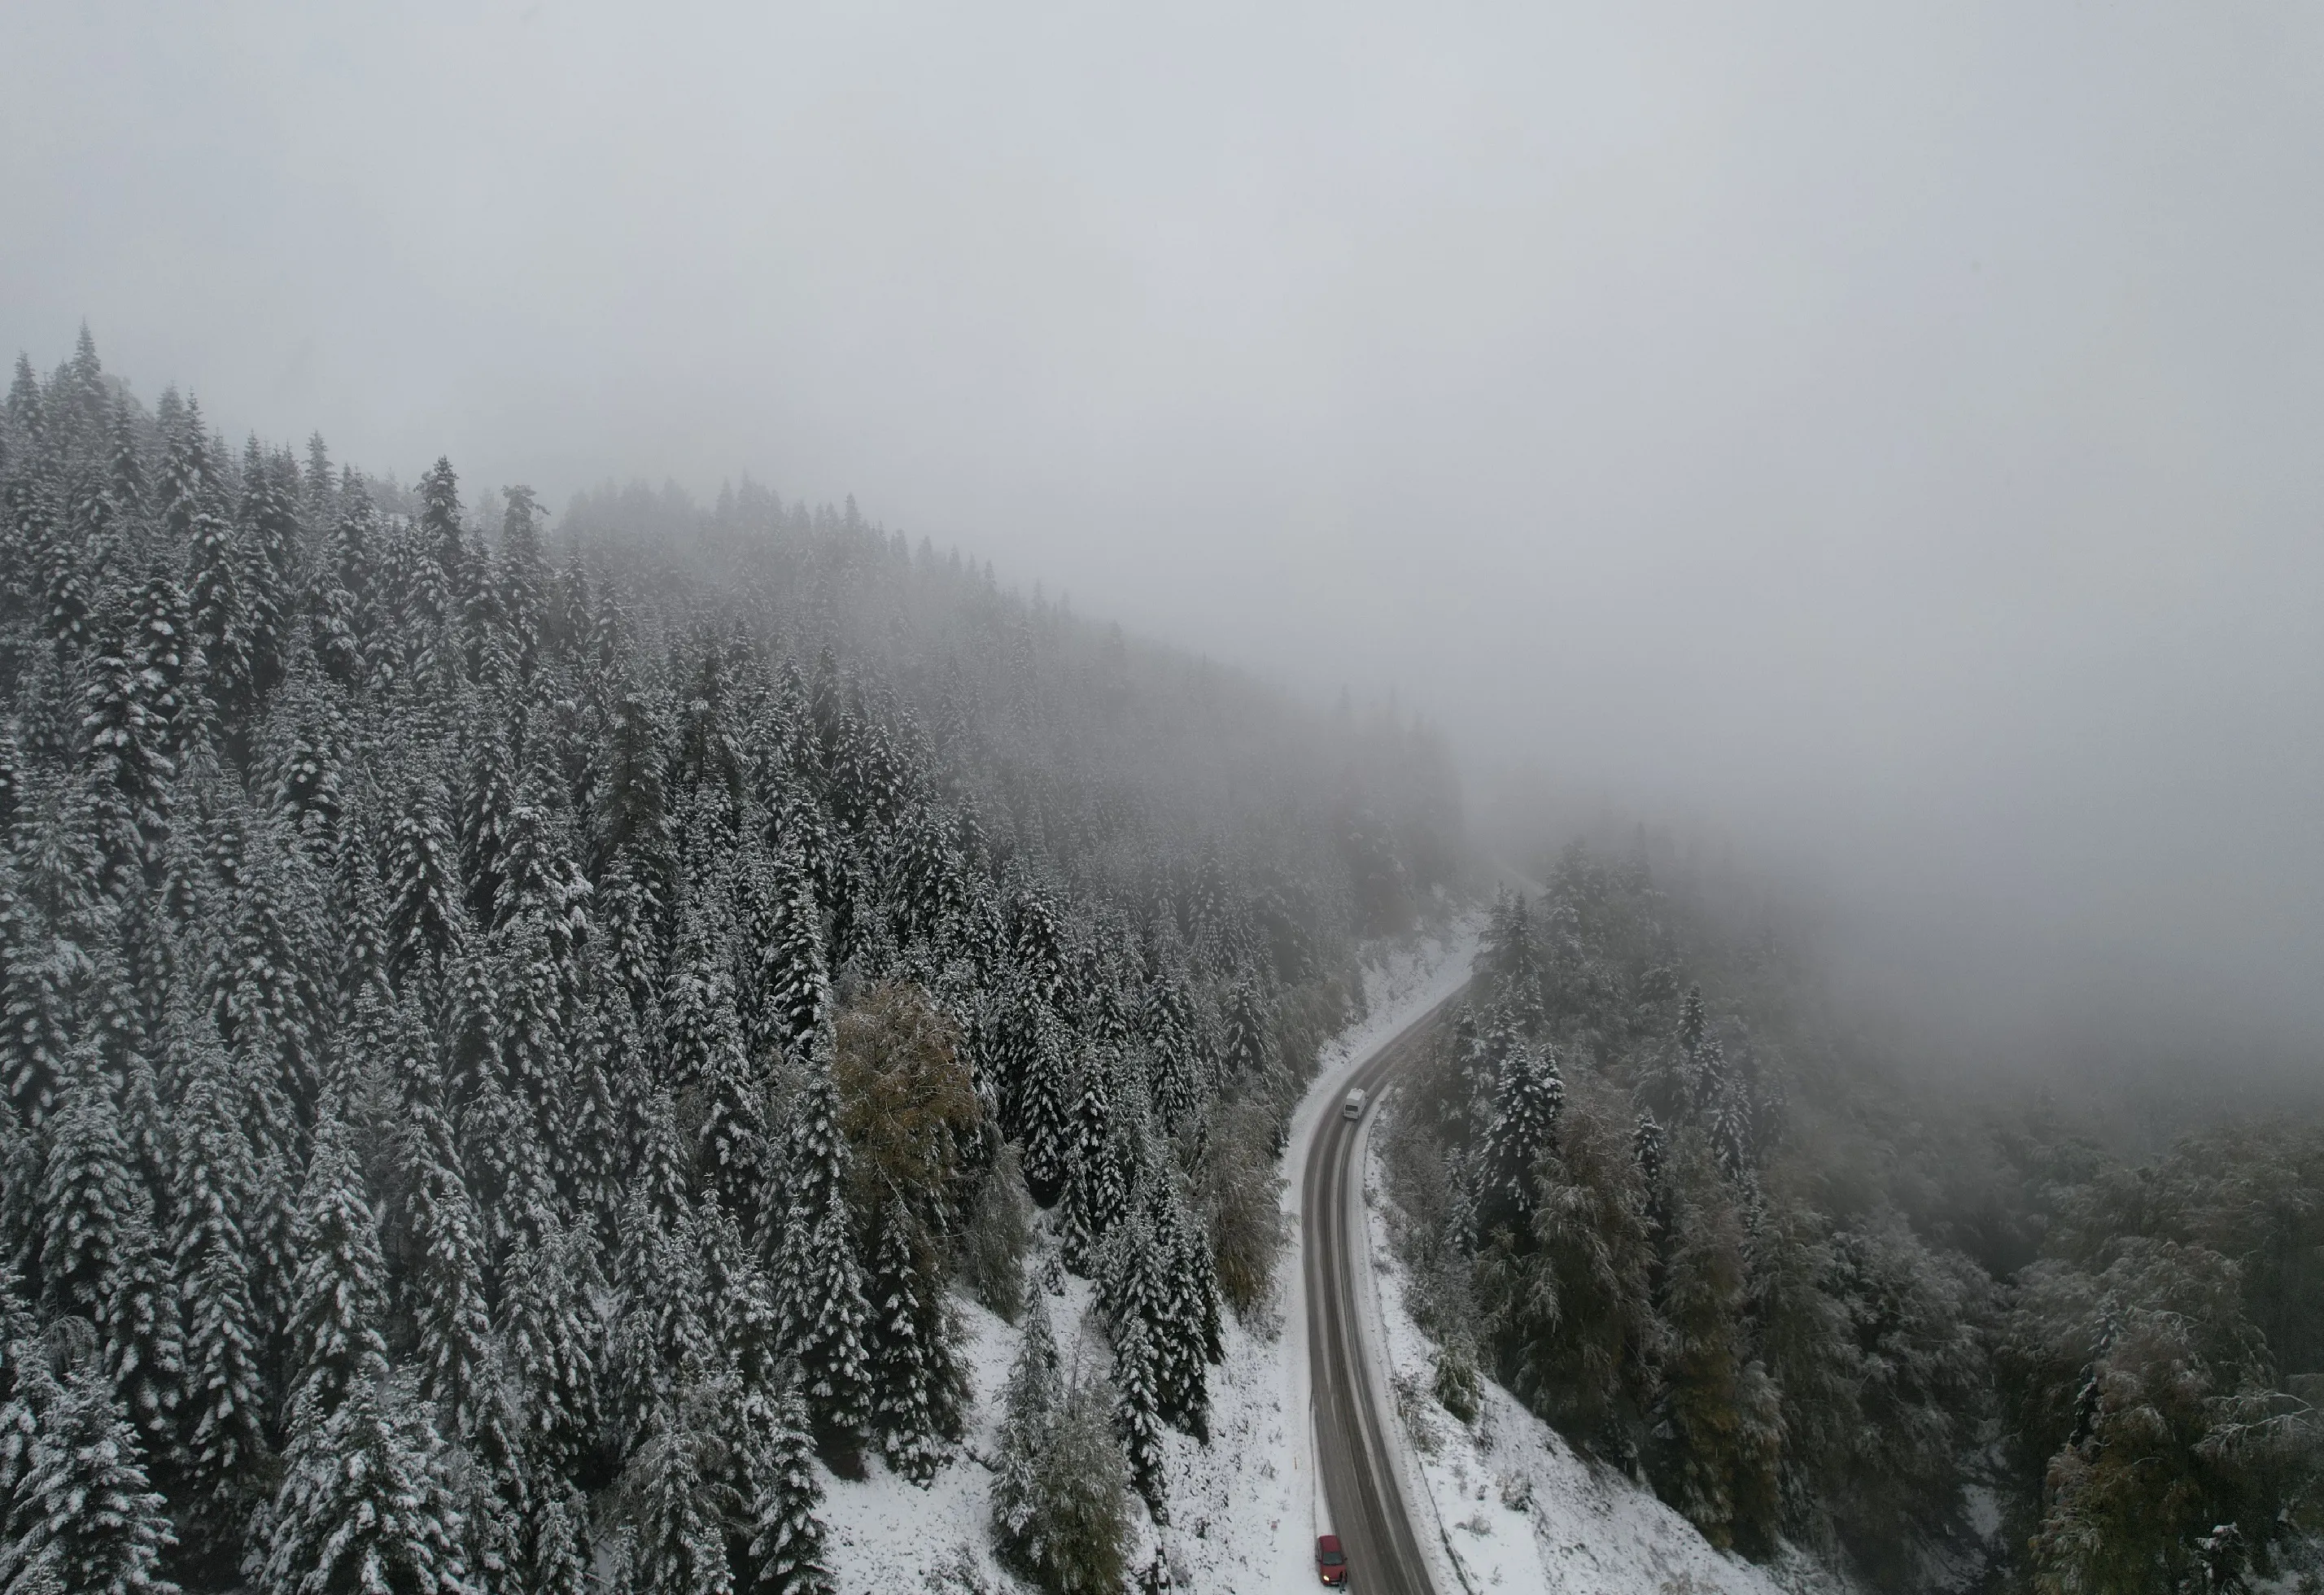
(85, 1515)
(339, 1296)
(362, 1505)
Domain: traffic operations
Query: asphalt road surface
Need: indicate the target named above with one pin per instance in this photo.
(1353, 1436)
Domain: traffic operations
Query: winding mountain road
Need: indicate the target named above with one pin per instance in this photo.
(1355, 1439)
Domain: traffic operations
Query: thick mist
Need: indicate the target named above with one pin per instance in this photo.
(1878, 446)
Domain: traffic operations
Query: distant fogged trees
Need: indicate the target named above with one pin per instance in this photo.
(1833, 1316)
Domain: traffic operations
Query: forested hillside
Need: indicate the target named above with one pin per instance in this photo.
(511, 1031)
(1658, 1190)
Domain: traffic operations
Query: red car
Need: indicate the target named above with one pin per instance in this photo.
(1330, 1562)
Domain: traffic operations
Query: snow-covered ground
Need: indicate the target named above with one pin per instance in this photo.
(1514, 1507)
(1242, 1509)
(1509, 1504)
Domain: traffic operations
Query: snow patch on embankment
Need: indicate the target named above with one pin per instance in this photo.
(1242, 1509)
(1513, 1505)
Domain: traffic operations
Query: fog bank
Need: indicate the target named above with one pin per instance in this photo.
(1881, 445)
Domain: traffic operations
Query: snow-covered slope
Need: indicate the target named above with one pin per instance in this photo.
(1515, 1507)
(1242, 1509)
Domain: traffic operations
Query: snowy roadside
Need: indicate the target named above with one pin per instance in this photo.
(1519, 1508)
(1397, 993)
(1243, 1509)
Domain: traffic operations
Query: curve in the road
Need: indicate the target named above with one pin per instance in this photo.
(1354, 1438)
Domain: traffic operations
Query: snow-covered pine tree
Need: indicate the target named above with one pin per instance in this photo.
(925, 888)
(362, 1507)
(73, 561)
(919, 1388)
(46, 913)
(785, 1552)
(266, 543)
(1529, 1098)
(1136, 1408)
(213, 1183)
(1082, 1491)
(220, 611)
(26, 1383)
(589, 1144)
(264, 988)
(679, 1544)
(126, 763)
(1044, 1123)
(1036, 944)
(339, 1297)
(162, 651)
(85, 1515)
(422, 885)
(303, 759)
(487, 801)
(819, 1297)
(730, 1149)
(632, 802)
(553, 1341)
(502, 1158)
(553, 1550)
(791, 982)
(445, 1288)
(488, 649)
(102, 1259)
(533, 1001)
(1510, 958)
(1250, 1059)
(524, 578)
(1028, 1413)
(739, 1301)
(699, 1024)
(1097, 1147)
(542, 881)
(1717, 1421)
(1188, 1334)
(444, 564)
(1174, 1034)
(341, 620)
(663, 1326)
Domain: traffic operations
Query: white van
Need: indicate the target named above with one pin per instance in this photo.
(1354, 1106)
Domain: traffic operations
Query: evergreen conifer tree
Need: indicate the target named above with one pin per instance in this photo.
(339, 1296)
(444, 559)
(126, 765)
(790, 981)
(663, 1328)
(447, 1281)
(1529, 1098)
(85, 1517)
(554, 1343)
(213, 1184)
(362, 1505)
(784, 1554)
(161, 650)
(1250, 1057)
(819, 1297)
(1044, 1123)
(1028, 1413)
(103, 1259)
(681, 1546)
(1137, 1407)
(919, 1385)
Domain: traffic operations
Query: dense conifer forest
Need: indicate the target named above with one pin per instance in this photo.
(511, 1031)
(1661, 1191)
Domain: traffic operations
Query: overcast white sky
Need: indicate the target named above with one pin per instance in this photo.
(1887, 435)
